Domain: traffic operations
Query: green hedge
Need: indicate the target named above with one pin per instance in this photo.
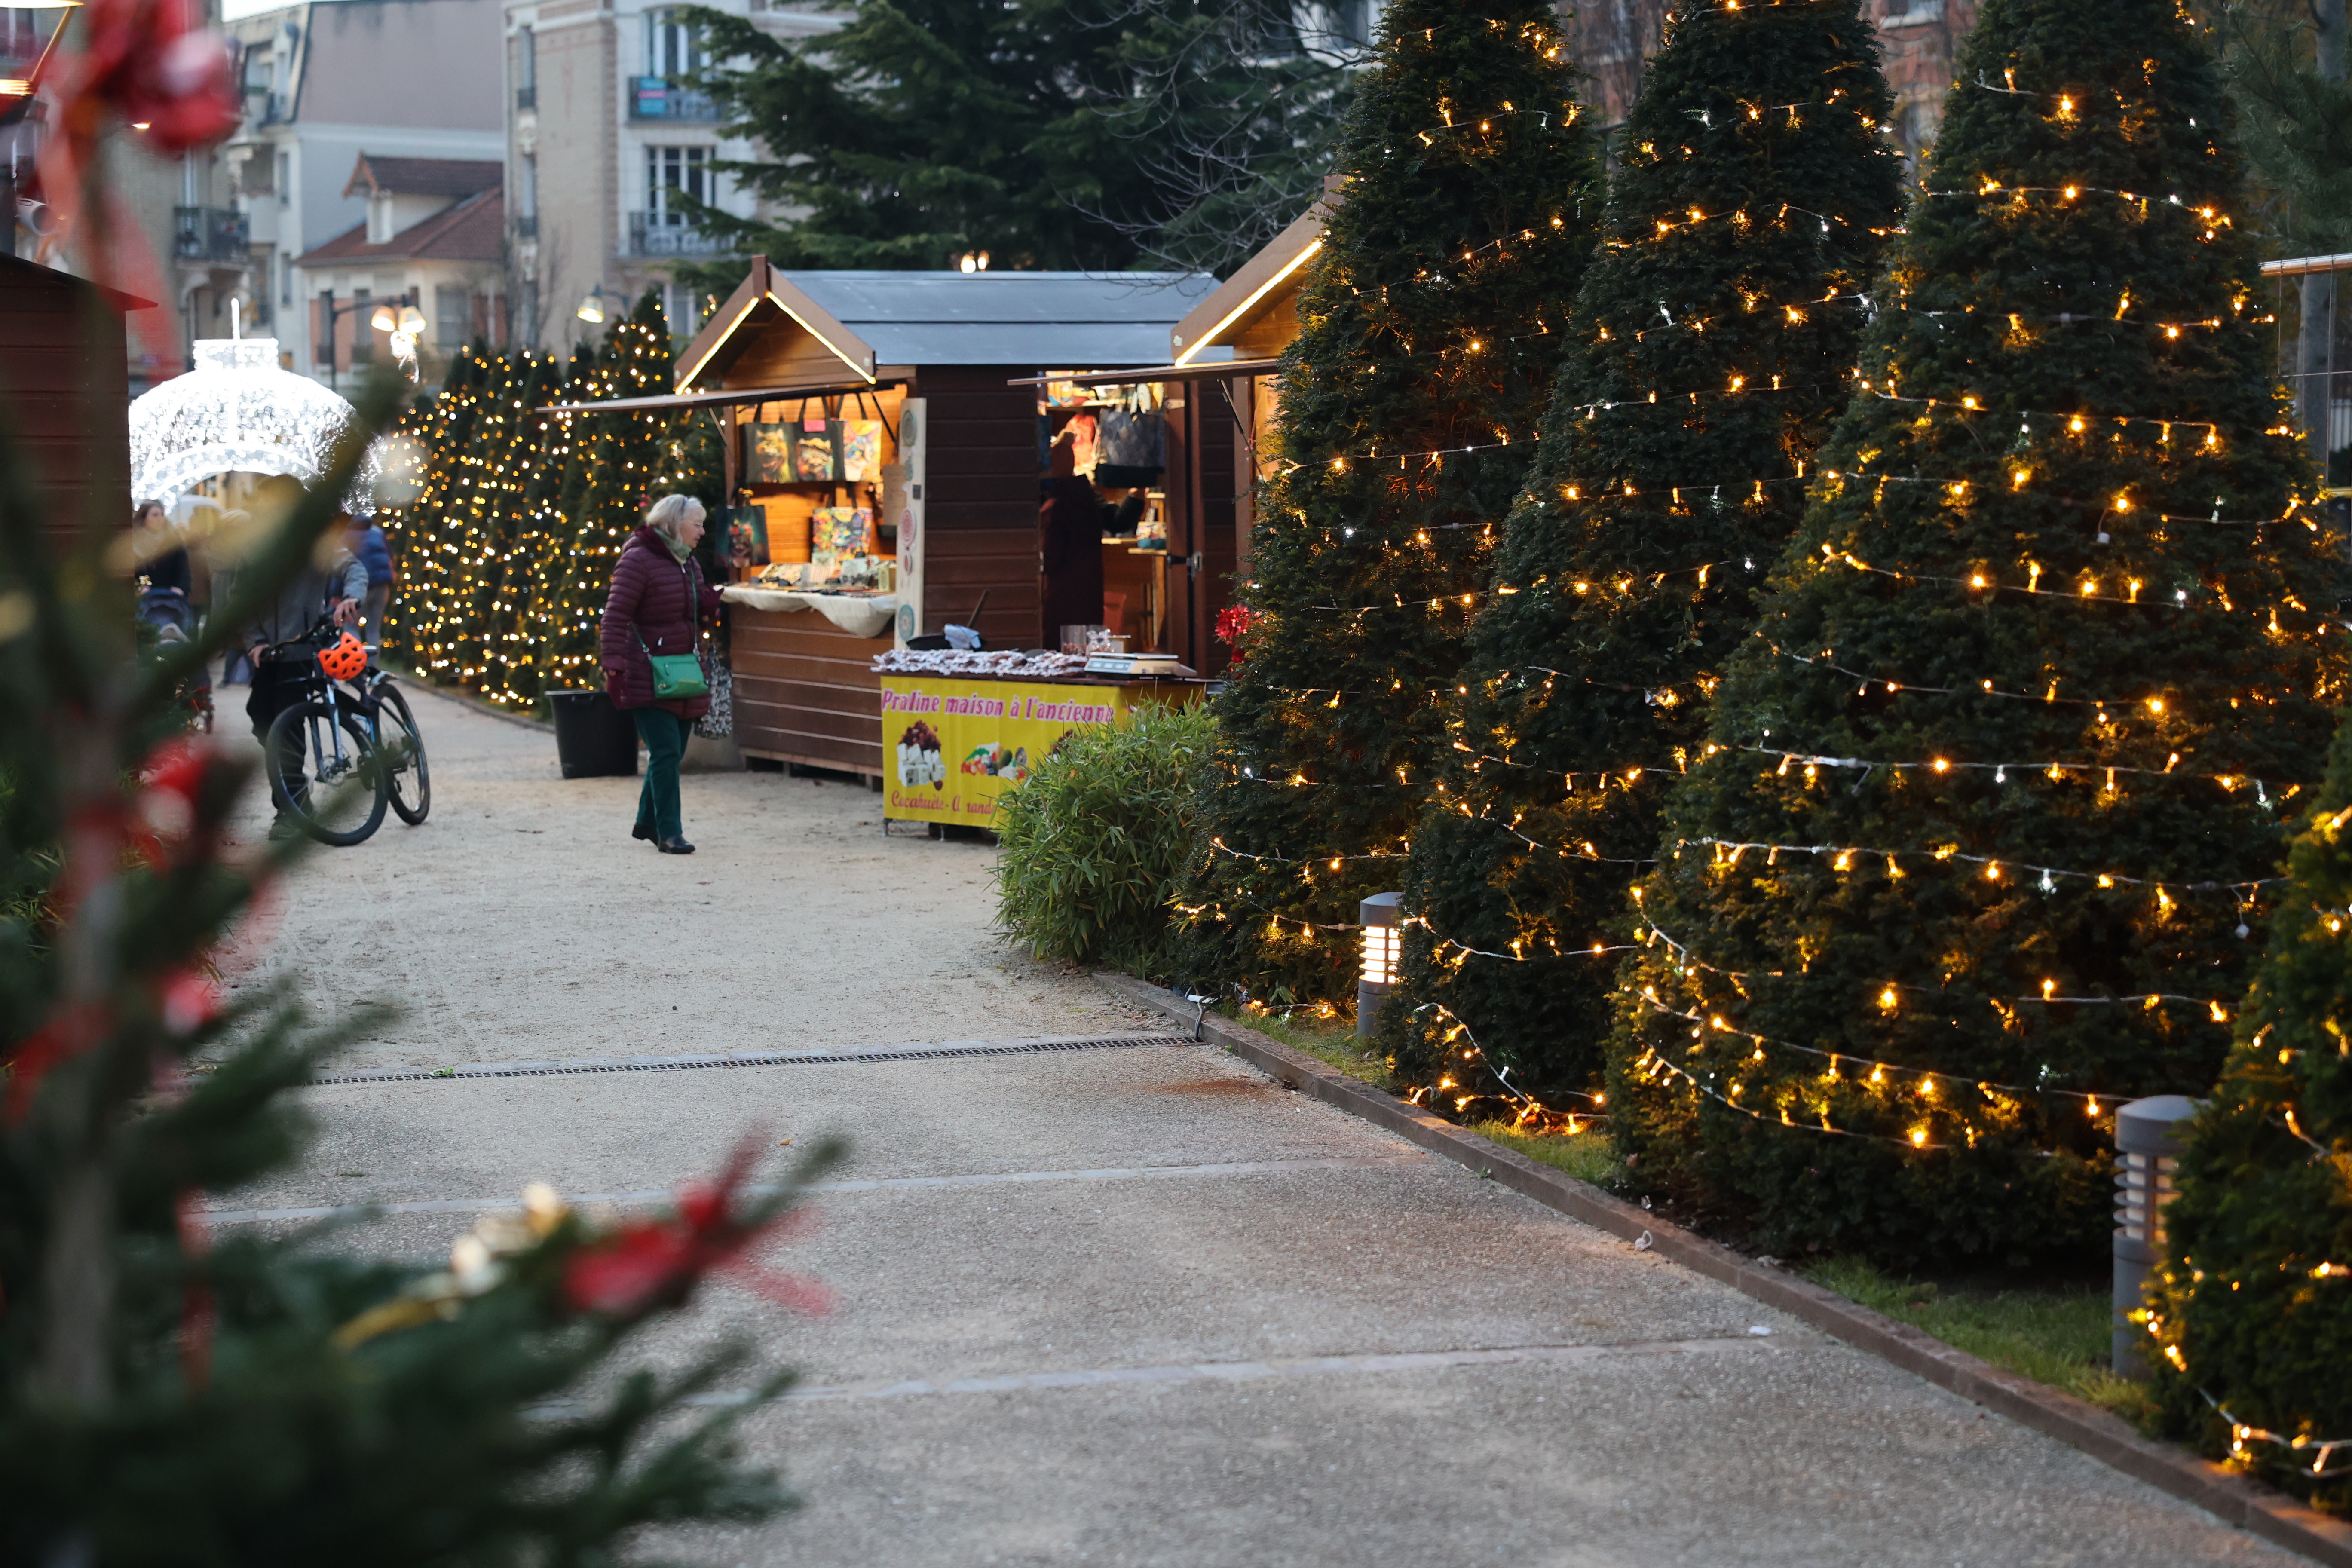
(1094, 842)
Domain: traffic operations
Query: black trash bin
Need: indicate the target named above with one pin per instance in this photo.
(593, 738)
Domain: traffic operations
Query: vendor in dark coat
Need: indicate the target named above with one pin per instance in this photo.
(1069, 545)
(658, 605)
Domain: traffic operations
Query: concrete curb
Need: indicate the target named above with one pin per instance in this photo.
(2233, 1499)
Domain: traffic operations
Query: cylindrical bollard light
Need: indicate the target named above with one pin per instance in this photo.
(2147, 1150)
(1383, 946)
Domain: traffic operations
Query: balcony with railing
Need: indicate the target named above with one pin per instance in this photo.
(209, 234)
(657, 97)
(670, 234)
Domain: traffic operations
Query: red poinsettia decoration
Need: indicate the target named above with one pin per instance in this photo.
(657, 1262)
(1235, 624)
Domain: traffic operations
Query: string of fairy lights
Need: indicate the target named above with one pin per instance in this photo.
(502, 591)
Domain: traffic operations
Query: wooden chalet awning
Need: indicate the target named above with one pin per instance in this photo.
(1211, 369)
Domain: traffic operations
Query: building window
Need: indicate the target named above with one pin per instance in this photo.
(362, 334)
(527, 68)
(285, 178)
(452, 313)
(673, 49)
(671, 171)
(527, 185)
(324, 349)
(285, 278)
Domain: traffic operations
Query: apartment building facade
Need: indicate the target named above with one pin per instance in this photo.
(602, 139)
(325, 85)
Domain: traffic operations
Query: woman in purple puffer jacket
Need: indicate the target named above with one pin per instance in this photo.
(659, 603)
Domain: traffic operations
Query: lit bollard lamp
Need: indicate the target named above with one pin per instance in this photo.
(2147, 1150)
(1383, 946)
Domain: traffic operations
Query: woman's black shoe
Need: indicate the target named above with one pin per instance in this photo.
(641, 831)
(675, 844)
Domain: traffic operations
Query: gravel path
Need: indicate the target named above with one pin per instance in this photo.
(1126, 1304)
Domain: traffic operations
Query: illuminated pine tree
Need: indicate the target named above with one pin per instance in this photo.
(1430, 335)
(2249, 1301)
(1993, 800)
(623, 453)
(436, 520)
(554, 500)
(509, 663)
(1716, 339)
(500, 458)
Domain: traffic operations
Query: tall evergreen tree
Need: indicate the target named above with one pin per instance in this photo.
(1716, 335)
(1057, 133)
(2250, 1308)
(1993, 800)
(506, 649)
(435, 522)
(500, 457)
(622, 454)
(1431, 334)
(555, 497)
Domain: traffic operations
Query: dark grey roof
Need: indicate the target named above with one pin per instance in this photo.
(1052, 319)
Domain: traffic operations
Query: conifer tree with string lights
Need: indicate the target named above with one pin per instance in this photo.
(505, 440)
(554, 500)
(623, 453)
(432, 542)
(1993, 804)
(507, 661)
(2251, 1317)
(1431, 334)
(1716, 338)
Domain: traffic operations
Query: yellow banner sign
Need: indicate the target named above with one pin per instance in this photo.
(955, 745)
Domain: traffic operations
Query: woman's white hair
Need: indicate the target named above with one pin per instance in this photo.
(670, 513)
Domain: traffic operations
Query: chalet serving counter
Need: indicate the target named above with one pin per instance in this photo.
(806, 691)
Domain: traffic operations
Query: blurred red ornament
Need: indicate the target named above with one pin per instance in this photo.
(657, 1261)
(150, 62)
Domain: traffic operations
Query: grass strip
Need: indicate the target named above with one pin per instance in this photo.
(2055, 1333)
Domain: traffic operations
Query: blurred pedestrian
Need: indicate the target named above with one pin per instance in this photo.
(366, 541)
(657, 606)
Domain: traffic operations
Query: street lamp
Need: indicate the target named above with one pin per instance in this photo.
(1383, 946)
(591, 309)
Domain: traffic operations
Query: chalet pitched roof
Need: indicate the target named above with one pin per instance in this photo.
(423, 176)
(857, 321)
(472, 230)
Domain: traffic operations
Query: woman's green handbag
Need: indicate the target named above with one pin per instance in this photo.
(676, 675)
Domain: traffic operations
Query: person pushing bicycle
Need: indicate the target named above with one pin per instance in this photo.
(281, 677)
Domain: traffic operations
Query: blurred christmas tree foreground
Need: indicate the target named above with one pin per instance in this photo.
(175, 1392)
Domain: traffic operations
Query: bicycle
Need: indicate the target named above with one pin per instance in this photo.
(360, 742)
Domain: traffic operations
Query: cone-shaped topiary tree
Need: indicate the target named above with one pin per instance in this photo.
(1991, 802)
(503, 449)
(623, 452)
(553, 498)
(435, 521)
(1430, 335)
(1716, 340)
(507, 660)
(2251, 1309)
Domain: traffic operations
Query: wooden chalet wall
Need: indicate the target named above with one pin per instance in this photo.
(980, 503)
(1200, 483)
(806, 691)
(65, 391)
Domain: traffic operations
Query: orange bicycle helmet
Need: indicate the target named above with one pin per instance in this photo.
(347, 660)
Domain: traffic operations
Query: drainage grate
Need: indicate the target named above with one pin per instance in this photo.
(757, 1060)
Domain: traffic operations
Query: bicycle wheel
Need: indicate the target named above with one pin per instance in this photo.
(410, 785)
(344, 797)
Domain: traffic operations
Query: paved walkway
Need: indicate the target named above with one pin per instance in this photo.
(1129, 1304)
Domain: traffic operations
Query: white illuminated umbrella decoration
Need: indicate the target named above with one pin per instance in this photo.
(239, 412)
